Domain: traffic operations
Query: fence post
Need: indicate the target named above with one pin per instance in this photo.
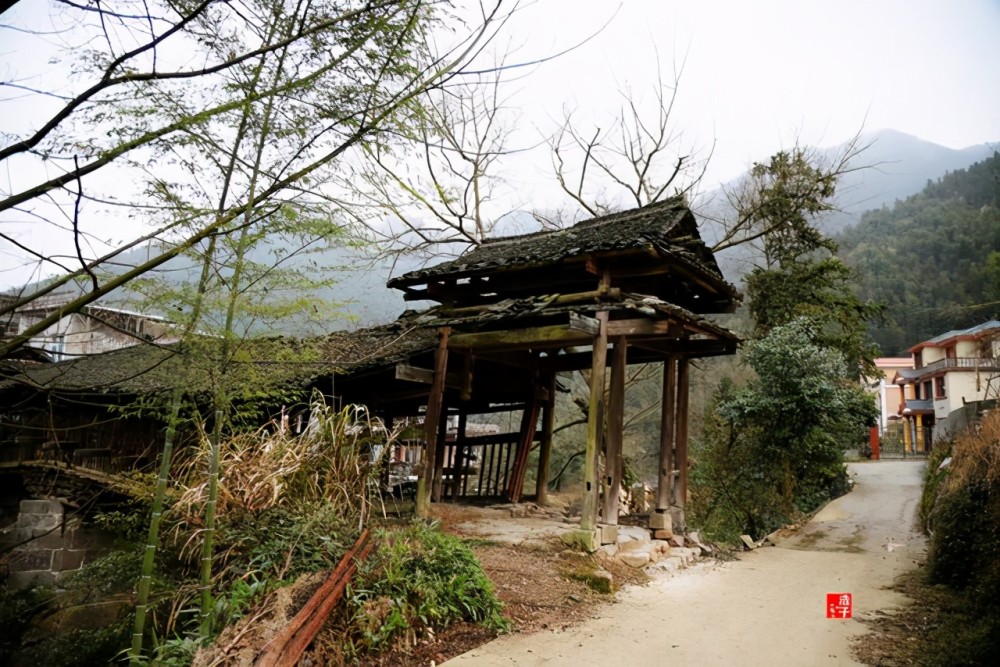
(874, 442)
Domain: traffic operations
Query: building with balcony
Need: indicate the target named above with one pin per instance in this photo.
(887, 394)
(952, 373)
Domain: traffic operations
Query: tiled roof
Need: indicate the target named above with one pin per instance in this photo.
(667, 226)
(971, 332)
(266, 363)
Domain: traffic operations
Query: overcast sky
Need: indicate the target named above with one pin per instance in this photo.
(756, 74)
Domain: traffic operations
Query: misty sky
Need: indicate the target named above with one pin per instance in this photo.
(757, 75)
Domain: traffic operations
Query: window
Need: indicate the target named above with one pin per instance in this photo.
(939, 387)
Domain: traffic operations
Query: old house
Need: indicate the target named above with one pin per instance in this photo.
(952, 373)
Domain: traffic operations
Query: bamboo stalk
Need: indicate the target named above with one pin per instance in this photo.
(153, 536)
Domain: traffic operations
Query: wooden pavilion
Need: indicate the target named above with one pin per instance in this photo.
(631, 287)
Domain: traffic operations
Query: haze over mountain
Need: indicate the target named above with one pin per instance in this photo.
(892, 167)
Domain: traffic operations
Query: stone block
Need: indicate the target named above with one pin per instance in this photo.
(660, 546)
(67, 559)
(677, 540)
(609, 550)
(634, 558)
(41, 507)
(609, 533)
(39, 522)
(24, 560)
(19, 580)
(585, 540)
(632, 533)
(632, 546)
(662, 534)
(670, 565)
(48, 539)
(661, 521)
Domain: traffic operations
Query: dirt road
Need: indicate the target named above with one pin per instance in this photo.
(767, 608)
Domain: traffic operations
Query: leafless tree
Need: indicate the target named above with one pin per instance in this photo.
(639, 159)
(156, 78)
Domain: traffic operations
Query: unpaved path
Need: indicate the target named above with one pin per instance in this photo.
(766, 609)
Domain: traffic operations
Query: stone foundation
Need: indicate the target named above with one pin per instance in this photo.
(46, 544)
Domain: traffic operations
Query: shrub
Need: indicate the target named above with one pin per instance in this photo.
(418, 579)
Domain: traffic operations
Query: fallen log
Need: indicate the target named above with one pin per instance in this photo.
(287, 647)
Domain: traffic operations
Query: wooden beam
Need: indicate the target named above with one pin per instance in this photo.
(410, 373)
(645, 327)
(668, 405)
(616, 423)
(434, 402)
(595, 424)
(545, 448)
(549, 336)
(691, 349)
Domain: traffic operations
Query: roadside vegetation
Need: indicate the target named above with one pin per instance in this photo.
(288, 507)
(953, 618)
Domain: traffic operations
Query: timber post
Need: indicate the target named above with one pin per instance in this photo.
(665, 475)
(595, 424)
(545, 447)
(683, 390)
(434, 400)
(615, 423)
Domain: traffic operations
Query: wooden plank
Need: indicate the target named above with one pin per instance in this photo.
(645, 327)
(616, 423)
(410, 373)
(435, 399)
(548, 336)
(665, 474)
(529, 423)
(588, 325)
(287, 647)
(595, 414)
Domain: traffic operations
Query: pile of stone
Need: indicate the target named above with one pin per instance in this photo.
(638, 547)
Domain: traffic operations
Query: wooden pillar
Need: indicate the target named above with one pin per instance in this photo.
(526, 437)
(595, 424)
(458, 465)
(906, 434)
(431, 416)
(616, 422)
(683, 387)
(918, 439)
(665, 476)
(442, 451)
(545, 448)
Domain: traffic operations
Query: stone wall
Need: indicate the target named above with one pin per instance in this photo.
(46, 544)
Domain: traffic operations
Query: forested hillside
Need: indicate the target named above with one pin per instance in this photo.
(933, 258)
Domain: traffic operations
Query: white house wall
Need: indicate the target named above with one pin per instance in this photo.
(931, 354)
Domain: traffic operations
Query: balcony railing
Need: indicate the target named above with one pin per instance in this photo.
(961, 363)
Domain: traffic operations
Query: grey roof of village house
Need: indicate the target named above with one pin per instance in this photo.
(143, 369)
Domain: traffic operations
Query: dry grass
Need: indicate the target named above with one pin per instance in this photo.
(976, 454)
(336, 459)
